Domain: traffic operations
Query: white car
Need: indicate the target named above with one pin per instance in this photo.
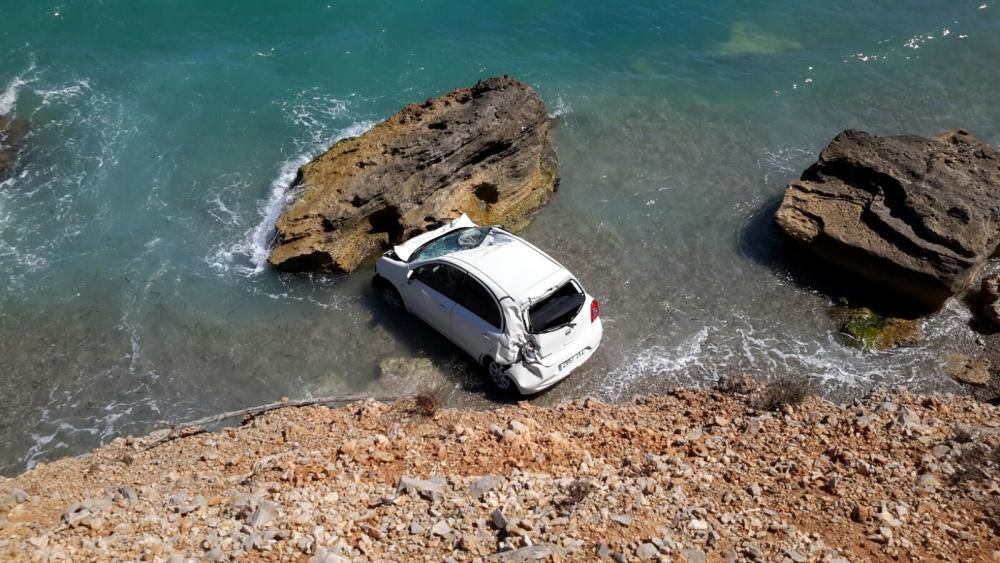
(510, 306)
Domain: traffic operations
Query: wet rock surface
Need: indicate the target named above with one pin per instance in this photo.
(694, 475)
(916, 216)
(484, 151)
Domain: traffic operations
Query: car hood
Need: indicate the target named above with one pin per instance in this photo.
(406, 249)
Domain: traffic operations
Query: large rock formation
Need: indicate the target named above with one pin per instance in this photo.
(12, 133)
(917, 216)
(483, 150)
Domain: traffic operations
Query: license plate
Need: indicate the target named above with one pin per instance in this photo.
(575, 357)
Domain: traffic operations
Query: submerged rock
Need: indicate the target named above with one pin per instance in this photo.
(484, 151)
(967, 370)
(13, 130)
(917, 216)
(746, 38)
(410, 375)
(872, 331)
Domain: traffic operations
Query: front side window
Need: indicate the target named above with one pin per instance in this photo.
(476, 298)
(442, 278)
(556, 310)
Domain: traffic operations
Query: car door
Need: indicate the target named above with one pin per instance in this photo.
(431, 294)
(476, 320)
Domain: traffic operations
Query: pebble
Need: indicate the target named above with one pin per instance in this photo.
(647, 552)
(499, 520)
(907, 417)
(429, 489)
(697, 525)
(622, 519)
(539, 552)
(518, 426)
(795, 556)
(927, 482)
(861, 513)
(887, 406)
(441, 528)
(259, 517)
(484, 485)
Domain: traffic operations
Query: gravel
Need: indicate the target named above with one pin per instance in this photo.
(695, 475)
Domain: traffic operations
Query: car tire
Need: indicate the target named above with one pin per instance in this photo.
(498, 375)
(388, 292)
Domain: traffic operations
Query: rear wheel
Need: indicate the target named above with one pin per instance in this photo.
(498, 375)
(388, 292)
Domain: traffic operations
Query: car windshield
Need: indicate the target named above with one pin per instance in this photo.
(461, 239)
(556, 310)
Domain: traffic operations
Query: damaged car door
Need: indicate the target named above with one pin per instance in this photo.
(432, 292)
(476, 319)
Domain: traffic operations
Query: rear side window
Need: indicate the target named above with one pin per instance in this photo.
(478, 299)
(556, 310)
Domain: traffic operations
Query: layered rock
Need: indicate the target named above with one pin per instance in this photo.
(12, 133)
(484, 151)
(917, 216)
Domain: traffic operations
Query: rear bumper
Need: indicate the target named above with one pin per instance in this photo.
(533, 377)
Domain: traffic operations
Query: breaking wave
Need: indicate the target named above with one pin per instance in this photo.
(9, 96)
(313, 112)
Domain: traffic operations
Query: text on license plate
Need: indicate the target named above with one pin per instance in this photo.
(574, 358)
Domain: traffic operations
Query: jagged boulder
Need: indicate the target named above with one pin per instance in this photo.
(484, 151)
(13, 130)
(917, 216)
(989, 299)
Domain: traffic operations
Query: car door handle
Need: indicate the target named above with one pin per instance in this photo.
(442, 305)
(485, 335)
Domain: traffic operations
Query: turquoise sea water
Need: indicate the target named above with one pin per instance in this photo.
(133, 232)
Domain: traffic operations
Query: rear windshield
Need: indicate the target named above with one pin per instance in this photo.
(557, 309)
(461, 239)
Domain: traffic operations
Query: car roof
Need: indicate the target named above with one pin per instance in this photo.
(516, 267)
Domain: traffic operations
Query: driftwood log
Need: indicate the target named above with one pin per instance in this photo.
(196, 427)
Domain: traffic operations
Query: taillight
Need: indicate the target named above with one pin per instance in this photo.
(595, 310)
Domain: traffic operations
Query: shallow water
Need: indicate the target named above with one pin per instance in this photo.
(134, 233)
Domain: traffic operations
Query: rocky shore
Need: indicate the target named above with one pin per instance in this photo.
(731, 474)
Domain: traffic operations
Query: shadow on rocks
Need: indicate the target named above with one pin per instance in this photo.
(762, 241)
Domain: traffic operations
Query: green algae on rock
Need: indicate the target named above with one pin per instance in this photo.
(872, 331)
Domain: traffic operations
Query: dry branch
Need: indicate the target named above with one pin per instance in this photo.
(195, 427)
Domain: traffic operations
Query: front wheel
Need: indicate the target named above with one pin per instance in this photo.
(498, 375)
(389, 294)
